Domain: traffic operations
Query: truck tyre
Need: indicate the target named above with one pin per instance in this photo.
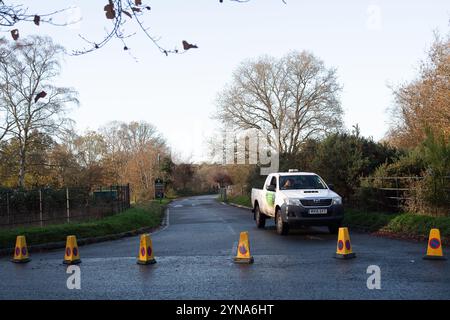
(260, 218)
(282, 227)
(334, 228)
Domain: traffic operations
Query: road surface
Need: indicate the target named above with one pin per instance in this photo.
(194, 261)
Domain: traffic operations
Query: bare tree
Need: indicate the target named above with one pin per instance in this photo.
(11, 14)
(295, 95)
(120, 12)
(28, 95)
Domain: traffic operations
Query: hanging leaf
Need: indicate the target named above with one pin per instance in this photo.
(37, 20)
(187, 45)
(148, 8)
(110, 12)
(15, 34)
(136, 9)
(41, 94)
(128, 14)
(138, 2)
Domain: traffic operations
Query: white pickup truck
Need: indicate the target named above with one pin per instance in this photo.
(297, 199)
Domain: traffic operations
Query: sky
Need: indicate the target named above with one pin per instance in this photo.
(374, 45)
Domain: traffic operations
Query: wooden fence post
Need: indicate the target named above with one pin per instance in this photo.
(40, 208)
(7, 206)
(67, 205)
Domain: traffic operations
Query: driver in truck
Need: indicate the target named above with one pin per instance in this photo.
(287, 184)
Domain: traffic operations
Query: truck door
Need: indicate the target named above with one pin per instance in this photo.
(269, 195)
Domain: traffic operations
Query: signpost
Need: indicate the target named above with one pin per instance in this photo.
(159, 189)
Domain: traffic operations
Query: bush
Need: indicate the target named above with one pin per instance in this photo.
(429, 196)
(428, 189)
(411, 164)
(342, 158)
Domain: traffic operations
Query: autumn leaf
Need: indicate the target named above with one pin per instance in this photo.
(136, 9)
(138, 2)
(187, 45)
(37, 20)
(41, 94)
(15, 34)
(110, 12)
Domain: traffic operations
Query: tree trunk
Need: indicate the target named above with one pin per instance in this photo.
(22, 167)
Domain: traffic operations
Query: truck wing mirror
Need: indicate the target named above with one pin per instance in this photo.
(270, 187)
(331, 186)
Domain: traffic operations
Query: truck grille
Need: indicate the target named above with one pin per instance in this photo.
(315, 202)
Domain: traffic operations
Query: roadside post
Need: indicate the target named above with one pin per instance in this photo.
(159, 189)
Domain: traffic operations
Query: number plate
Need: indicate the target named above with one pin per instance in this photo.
(317, 211)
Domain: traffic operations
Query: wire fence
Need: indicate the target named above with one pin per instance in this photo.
(397, 193)
(40, 207)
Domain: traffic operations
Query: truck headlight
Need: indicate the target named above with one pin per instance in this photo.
(293, 202)
(337, 200)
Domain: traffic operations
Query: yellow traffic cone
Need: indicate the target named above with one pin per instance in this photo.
(72, 254)
(344, 246)
(146, 250)
(243, 250)
(21, 251)
(434, 251)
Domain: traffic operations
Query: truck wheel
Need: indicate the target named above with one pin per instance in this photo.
(282, 227)
(334, 228)
(259, 218)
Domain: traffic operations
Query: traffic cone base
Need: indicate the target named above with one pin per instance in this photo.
(434, 258)
(146, 262)
(72, 262)
(146, 255)
(434, 250)
(72, 254)
(344, 248)
(243, 260)
(345, 256)
(21, 260)
(21, 251)
(243, 250)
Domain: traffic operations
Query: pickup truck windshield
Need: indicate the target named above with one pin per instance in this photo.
(294, 182)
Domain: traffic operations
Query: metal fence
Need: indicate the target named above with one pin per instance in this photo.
(393, 193)
(45, 206)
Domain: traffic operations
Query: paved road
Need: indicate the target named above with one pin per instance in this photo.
(194, 261)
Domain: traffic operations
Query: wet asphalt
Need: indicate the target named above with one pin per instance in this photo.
(194, 261)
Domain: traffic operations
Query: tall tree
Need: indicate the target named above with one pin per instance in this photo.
(134, 154)
(296, 95)
(28, 95)
(424, 102)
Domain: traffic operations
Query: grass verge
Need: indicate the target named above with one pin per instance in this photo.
(240, 200)
(139, 216)
(404, 225)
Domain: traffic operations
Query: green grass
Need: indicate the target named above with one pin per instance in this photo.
(405, 224)
(241, 200)
(139, 216)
